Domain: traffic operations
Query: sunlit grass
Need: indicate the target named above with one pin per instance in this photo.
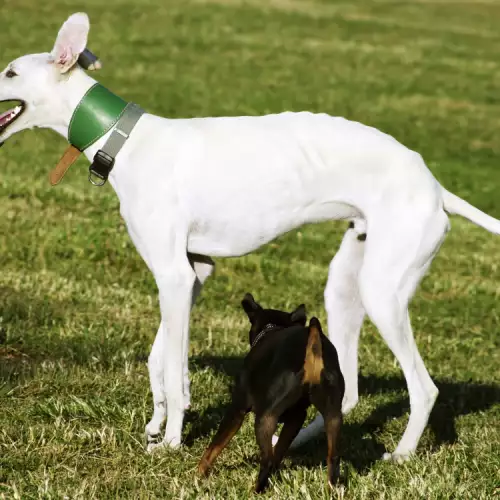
(78, 308)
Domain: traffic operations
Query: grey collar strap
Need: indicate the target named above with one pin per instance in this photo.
(104, 159)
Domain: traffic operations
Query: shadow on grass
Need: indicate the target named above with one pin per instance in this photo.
(359, 444)
(30, 335)
(19, 360)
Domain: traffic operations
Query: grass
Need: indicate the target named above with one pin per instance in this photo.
(78, 308)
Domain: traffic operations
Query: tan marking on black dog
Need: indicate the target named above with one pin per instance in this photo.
(313, 363)
(229, 427)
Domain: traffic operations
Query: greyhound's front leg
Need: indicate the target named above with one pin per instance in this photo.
(175, 283)
(155, 368)
(203, 267)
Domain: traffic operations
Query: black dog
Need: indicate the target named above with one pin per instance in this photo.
(289, 366)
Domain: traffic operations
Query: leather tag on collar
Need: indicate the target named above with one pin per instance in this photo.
(68, 158)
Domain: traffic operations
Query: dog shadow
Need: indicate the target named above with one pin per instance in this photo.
(360, 448)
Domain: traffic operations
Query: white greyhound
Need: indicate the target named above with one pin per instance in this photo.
(220, 187)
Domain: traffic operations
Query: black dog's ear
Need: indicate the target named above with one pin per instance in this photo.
(299, 315)
(250, 306)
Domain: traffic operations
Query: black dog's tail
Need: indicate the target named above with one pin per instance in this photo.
(313, 363)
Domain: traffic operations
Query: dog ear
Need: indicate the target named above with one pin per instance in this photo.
(299, 315)
(250, 306)
(71, 41)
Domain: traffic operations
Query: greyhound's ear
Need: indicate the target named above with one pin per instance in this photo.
(250, 306)
(299, 315)
(71, 41)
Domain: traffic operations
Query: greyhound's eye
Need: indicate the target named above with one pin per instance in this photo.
(10, 73)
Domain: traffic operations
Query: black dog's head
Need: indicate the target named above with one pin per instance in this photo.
(261, 318)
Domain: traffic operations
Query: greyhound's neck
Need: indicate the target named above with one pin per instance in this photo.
(71, 93)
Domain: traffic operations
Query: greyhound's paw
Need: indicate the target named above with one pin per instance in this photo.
(152, 431)
(154, 446)
(171, 440)
(154, 439)
(152, 434)
(162, 445)
(397, 458)
(275, 439)
(348, 404)
(151, 439)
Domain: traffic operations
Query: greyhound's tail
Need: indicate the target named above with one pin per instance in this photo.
(313, 363)
(455, 205)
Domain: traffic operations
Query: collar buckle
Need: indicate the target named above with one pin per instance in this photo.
(100, 168)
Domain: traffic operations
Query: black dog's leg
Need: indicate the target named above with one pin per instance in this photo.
(291, 427)
(265, 425)
(333, 422)
(229, 426)
(327, 401)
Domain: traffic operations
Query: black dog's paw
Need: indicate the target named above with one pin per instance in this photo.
(339, 480)
(203, 468)
(260, 487)
(262, 483)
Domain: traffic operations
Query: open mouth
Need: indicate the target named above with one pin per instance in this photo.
(11, 115)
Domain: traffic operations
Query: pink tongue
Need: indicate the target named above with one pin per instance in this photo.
(5, 117)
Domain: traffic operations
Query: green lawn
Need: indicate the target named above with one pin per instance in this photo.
(78, 308)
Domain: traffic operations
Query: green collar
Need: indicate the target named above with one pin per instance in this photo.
(96, 114)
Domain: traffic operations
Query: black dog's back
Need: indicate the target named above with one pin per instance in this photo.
(280, 370)
(273, 371)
